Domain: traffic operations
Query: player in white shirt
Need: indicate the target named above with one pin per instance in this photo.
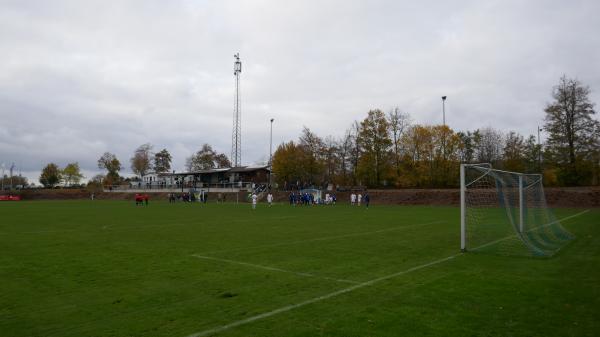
(352, 199)
(359, 198)
(254, 200)
(270, 199)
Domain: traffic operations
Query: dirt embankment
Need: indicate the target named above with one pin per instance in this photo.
(80, 194)
(556, 197)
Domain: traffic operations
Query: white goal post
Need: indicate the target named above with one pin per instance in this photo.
(506, 212)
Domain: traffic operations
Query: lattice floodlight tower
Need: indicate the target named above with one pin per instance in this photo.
(236, 136)
(506, 212)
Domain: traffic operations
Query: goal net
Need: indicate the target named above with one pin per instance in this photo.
(506, 213)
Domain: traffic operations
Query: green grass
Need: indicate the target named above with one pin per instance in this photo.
(82, 268)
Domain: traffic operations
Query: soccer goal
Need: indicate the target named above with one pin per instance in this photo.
(506, 212)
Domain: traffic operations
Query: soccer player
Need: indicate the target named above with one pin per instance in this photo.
(359, 199)
(254, 200)
(270, 199)
(352, 199)
(367, 199)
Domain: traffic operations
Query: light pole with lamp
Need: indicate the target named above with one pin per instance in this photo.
(271, 154)
(444, 130)
(539, 149)
(444, 109)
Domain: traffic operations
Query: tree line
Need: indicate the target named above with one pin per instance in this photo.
(52, 175)
(145, 161)
(389, 150)
(386, 149)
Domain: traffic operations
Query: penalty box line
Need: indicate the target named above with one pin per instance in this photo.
(317, 299)
(273, 269)
(325, 238)
(335, 293)
(538, 227)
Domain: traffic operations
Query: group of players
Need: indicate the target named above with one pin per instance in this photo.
(307, 199)
(140, 199)
(304, 199)
(356, 199)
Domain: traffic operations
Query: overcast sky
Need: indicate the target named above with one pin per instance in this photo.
(78, 78)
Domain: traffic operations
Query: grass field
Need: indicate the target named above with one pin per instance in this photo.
(108, 268)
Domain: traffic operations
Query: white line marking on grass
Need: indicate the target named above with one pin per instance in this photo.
(335, 293)
(317, 299)
(515, 235)
(273, 269)
(323, 238)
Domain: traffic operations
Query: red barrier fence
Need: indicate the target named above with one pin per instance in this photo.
(10, 198)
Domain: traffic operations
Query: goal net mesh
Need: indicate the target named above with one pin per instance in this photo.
(507, 213)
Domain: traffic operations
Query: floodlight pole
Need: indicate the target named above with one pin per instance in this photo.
(271, 154)
(236, 137)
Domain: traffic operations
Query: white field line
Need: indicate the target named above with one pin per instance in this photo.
(273, 269)
(336, 293)
(321, 238)
(316, 299)
(542, 226)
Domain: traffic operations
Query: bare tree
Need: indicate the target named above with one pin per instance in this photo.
(331, 158)
(355, 149)
(488, 144)
(313, 147)
(569, 123)
(141, 162)
(206, 158)
(514, 152)
(343, 153)
(399, 121)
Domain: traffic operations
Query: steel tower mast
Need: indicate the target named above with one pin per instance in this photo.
(236, 137)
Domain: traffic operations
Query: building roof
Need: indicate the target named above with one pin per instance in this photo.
(249, 168)
(238, 169)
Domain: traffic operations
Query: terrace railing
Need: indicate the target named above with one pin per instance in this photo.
(159, 186)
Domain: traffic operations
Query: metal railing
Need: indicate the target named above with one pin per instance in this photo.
(158, 186)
